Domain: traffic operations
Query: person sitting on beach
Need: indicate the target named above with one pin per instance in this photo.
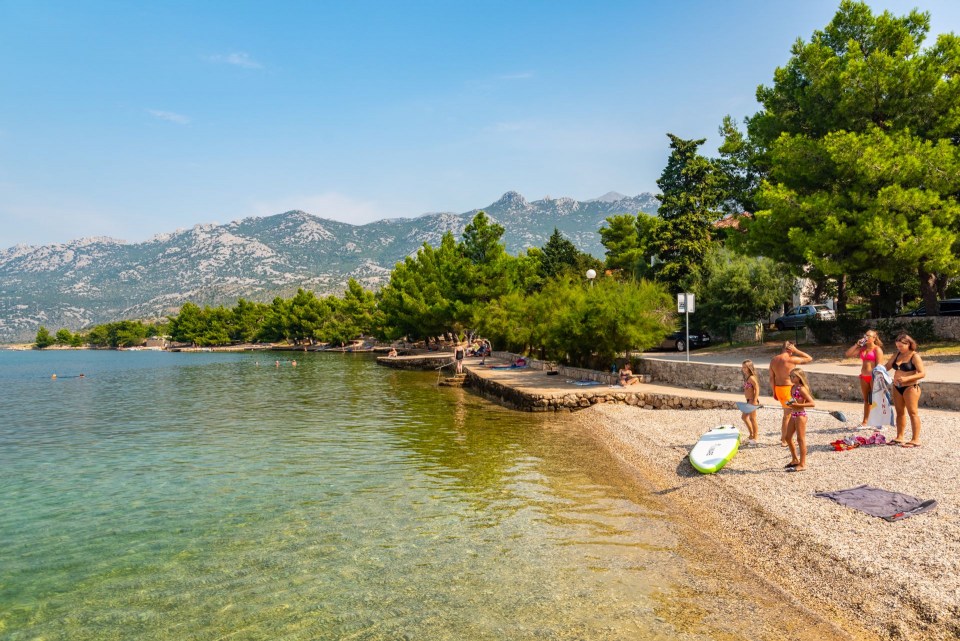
(800, 398)
(627, 377)
(520, 362)
(869, 350)
(780, 367)
(392, 353)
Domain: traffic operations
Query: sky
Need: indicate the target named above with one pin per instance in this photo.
(129, 119)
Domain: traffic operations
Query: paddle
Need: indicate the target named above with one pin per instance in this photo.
(746, 408)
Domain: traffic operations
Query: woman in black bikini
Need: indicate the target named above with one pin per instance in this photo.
(908, 365)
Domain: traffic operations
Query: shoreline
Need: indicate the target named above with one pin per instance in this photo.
(890, 580)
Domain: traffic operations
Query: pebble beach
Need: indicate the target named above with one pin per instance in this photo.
(873, 578)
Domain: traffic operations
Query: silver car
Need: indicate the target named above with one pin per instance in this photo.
(798, 316)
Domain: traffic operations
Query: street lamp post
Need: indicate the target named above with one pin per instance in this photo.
(591, 274)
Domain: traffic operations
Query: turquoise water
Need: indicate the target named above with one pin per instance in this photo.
(217, 496)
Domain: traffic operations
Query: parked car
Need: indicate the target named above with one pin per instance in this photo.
(948, 307)
(798, 316)
(677, 341)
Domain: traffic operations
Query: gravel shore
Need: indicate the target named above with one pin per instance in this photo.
(898, 580)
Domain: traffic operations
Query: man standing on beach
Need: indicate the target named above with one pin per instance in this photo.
(780, 367)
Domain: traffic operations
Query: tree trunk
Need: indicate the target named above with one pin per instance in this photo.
(942, 282)
(928, 290)
(842, 294)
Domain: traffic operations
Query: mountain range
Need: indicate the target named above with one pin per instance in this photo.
(96, 280)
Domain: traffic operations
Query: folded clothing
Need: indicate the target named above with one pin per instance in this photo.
(852, 442)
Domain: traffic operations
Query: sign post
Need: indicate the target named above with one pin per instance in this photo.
(686, 305)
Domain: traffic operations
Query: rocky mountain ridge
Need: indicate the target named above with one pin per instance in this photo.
(96, 280)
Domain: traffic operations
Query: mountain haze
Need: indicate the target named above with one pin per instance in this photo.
(97, 280)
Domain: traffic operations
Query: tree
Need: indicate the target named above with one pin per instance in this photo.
(739, 170)
(688, 206)
(863, 75)
(427, 295)
(579, 323)
(559, 255)
(276, 321)
(127, 333)
(188, 325)
(359, 306)
(64, 337)
(738, 289)
(628, 241)
(43, 339)
(248, 318)
(306, 316)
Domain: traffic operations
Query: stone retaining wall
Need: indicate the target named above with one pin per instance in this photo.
(531, 402)
(415, 363)
(841, 387)
(576, 373)
(944, 327)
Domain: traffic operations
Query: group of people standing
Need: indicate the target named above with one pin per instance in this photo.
(791, 388)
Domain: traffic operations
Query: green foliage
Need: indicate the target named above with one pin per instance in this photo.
(627, 240)
(124, 333)
(274, 327)
(737, 289)
(559, 256)
(577, 323)
(127, 333)
(824, 331)
(247, 319)
(738, 169)
(856, 140)
(43, 339)
(510, 322)
(99, 336)
(64, 337)
(426, 294)
(688, 206)
(359, 308)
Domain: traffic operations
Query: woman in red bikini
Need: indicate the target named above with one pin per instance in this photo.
(908, 365)
(869, 350)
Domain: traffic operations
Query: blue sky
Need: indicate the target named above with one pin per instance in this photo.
(128, 119)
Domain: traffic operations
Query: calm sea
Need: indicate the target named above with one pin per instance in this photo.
(219, 496)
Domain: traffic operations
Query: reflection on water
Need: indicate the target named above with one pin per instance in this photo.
(211, 496)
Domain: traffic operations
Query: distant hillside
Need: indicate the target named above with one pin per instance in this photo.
(96, 280)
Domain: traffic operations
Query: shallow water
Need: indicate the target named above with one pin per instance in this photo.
(214, 496)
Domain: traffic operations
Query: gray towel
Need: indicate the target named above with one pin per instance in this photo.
(890, 506)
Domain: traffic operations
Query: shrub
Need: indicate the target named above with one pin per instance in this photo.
(850, 327)
(824, 331)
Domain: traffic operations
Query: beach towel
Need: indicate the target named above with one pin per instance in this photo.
(585, 382)
(884, 504)
(881, 405)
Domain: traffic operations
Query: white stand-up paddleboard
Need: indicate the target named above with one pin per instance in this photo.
(715, 449)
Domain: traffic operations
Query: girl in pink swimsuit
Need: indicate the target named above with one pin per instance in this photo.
(869, 350)
(751, 392)
(800, 399)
